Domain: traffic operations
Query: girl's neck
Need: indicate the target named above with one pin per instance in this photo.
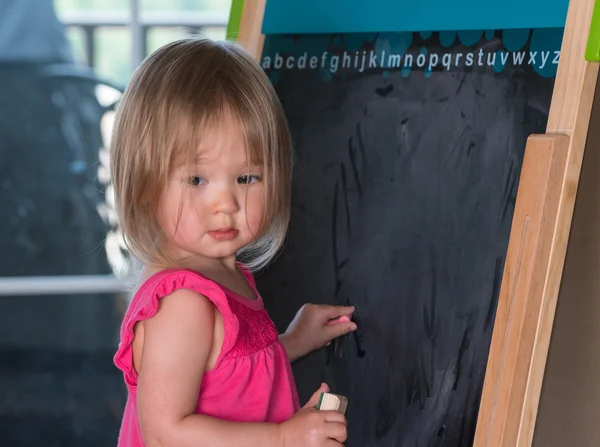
(224, 272)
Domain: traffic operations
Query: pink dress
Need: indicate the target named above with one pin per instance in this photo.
(252, 380)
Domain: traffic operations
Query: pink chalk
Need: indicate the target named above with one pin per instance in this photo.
(342, 319)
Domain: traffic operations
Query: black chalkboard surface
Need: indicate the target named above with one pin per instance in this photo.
(406, 175)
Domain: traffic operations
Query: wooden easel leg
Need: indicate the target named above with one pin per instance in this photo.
(537, 248)
(570, 400)
(521, 299)
(250, 30)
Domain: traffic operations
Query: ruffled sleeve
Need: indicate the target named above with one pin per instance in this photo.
(145, 304)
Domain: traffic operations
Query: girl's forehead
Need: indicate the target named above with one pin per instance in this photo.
(215, 138)
(221, 137)
(228, 155)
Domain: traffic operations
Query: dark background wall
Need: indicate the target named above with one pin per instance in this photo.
(58, 385)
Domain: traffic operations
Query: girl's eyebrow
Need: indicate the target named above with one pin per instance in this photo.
(200, 157)
(182, 161)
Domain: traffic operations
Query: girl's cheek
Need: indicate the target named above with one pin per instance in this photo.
(255, 212)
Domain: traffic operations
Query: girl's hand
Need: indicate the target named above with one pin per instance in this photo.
(314, 428)
(314, 326)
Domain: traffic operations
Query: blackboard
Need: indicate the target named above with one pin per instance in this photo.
(404, 188)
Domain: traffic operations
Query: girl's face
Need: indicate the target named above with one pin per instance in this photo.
(214, 206)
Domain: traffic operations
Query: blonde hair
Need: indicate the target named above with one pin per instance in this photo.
(171, 98)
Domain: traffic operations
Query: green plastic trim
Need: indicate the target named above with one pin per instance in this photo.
(235, 17)
(320, 401)
(592, 51)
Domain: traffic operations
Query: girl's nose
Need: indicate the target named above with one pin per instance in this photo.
(226, 201)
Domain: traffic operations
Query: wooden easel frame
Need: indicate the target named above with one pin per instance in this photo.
(537, 247)
(249, 31)
(538, 238)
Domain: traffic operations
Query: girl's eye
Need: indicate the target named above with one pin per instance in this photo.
(248, 179)
(195, 180)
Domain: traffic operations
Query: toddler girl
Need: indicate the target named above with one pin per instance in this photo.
(201, 168)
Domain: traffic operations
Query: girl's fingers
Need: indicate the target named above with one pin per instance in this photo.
(337, 311)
